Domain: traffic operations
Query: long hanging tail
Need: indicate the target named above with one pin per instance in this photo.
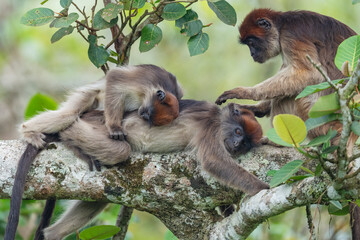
(45, 219)
(19, 184)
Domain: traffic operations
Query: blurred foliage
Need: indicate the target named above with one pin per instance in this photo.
(30, 63)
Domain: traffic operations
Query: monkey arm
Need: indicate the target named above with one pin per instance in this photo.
(260, 109)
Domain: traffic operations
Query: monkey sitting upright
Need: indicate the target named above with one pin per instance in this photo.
(150, 90)
(216, 134)
(294, 35)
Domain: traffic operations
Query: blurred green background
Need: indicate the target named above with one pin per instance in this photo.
(29, 63)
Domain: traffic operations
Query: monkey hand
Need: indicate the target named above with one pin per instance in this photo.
(34, 138)
(228, 95)
(117, 133)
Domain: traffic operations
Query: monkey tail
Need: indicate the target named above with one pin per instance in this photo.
(19, 184)
(45, 219)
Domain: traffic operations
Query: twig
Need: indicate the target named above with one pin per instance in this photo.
(310, 222)
(93, 13)
(123, 220)
(318, 67)
(77, 27)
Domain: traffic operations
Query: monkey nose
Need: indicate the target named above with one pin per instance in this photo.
(236, 143)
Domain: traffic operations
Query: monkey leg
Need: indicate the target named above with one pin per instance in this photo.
(78, 102)
(75, 217)
(93, 141)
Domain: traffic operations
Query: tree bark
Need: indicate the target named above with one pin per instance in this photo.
(170, 186)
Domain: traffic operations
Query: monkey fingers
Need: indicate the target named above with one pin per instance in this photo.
(225, 96)
(118, 134)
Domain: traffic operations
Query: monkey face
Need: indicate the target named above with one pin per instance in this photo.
(257, 49)
(163, 110)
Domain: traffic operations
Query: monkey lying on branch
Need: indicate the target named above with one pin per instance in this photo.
(214, 133)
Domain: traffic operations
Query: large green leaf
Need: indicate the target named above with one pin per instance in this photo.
(100, 23)
(61, 33)
(151, 35)
(312, 123)
(173, 11)
(224, 11)
(317, 88)
(111, 11)
(37, 17)
(272, 135)
(39, 103)
(99, 232)
(290, 128)
(322, 139)
(348, 50)
(190, 24)
(198, 44)
(169, 236)
(97, 54)
(334, 208)
(64, 21)
(325, 105)
(355, 127)
(284, 173)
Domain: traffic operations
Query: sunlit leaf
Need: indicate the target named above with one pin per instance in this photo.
(198, 44)
(325, 105)
(97, 54)
(284, 173)
(61, 33)
(111, 11)
(151, 35)
(290, 128)
(169, 236)
(39, 103)
(317, 88)
(312, 123)
(173, 11)
(64, 21)
(272, 135)
(99, 232)
(348, 50)
(37, 17)
(100, 23)
(224, 11)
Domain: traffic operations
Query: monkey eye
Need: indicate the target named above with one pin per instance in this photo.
(161, 95)
(238, 131)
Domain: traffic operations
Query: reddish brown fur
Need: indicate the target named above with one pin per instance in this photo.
(166, 111)
(251, 125)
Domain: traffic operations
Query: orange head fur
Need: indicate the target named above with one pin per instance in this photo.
(165, 110)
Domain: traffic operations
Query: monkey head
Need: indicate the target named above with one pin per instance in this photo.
(240, 129)
(162, 110)
(260, 33)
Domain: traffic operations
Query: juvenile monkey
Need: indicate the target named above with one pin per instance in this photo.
(216, 134)
(150, 90)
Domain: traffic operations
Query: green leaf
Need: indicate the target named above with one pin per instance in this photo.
(37, 17)
(113, 60)
(169, 236)
(151, 35)
(336, 204)
(100, 23)
(271, 173)
(318, 170)
(307, 170)
(65, 3)
(312, 123)
(97, 54)
(356, 114)
(272, 135)
(138, 3)
(300, 177)
(111, 11)
(173, 11)
(198, 44)
(189, 23)
(99, 232)
(318, 87)
(290, 128)
(329, 150)
(334, 210)
(325, 105)
(39, 103)
(348, 50)
(61, 33)
(355, 1)
(355, 127)
(224, 11)
(285, 172)
(322, 139)
(43, 2)
(64, 21)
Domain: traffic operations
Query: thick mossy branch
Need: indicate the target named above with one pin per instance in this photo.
(169, 186)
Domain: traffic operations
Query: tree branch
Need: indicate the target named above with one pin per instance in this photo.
(170, 186)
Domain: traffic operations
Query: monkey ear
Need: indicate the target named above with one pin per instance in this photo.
(264, 23)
